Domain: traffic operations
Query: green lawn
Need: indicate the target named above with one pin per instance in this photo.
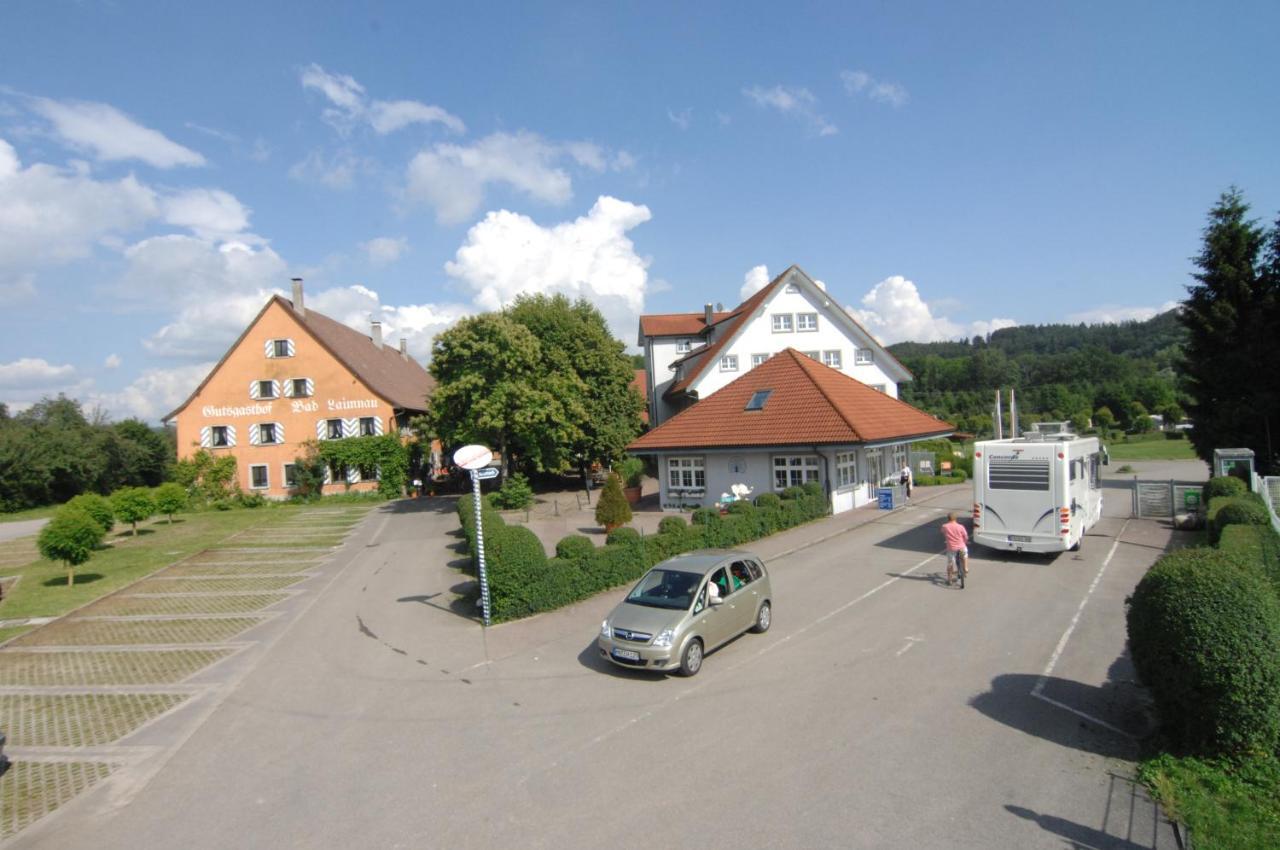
(42, 590)
(1160, 449)
(1227, 806)
(30, 513)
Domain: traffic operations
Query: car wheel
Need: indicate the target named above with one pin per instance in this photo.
(764, 617)
(691, 658)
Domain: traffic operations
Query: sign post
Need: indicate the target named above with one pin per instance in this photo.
(475, 459)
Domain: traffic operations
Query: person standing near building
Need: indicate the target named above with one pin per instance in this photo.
(906, 479)
(957, 540)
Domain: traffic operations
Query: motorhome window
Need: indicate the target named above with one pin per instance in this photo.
(1018, 474)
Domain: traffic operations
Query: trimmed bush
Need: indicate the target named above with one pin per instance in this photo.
(70, 537)
(1224, 485)
(672, 525)
(768, 501)
(133, 505)
(170, 499)
(517, 571)
(1237, 510)
(96, 507)
(1257, 544)
(1204, 633)
(612, 510)
(575, 547)
(514, 494)
(793, 493)
(623, 537)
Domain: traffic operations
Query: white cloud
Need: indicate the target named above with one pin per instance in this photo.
(113, 361)
(753, 281)
(336, 170)
(350, 107)
(894, 311)
(681, 119)
(453, 178)
(110, 135)
(862, 83)
(34, 372)
(507, 254)
(155, 393)
(1112, 315)
(52, 215)
(385, 250)
(793, 100)
(210, 213)
(389, 116)
(418, 324)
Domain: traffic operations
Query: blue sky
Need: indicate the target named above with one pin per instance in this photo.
(943, 170)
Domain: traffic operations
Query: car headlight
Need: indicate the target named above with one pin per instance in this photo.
(664, 638)
(605, 631)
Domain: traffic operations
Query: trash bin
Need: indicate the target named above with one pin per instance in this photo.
(884, 496)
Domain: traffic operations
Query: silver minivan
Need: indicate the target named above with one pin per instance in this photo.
(685, 607)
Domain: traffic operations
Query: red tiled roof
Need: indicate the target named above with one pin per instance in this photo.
(810, 404)
(679, 324)
(640, 384)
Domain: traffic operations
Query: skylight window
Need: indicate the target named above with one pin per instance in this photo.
(758, 399)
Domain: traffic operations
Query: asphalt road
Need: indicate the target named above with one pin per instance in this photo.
(883, 710)
(21, 528)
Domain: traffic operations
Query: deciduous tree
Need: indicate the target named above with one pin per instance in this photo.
(70, 537)
(133, 505)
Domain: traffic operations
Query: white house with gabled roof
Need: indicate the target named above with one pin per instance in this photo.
(688, 356)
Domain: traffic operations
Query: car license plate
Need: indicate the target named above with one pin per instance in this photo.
(626, 654)
(1019, 538)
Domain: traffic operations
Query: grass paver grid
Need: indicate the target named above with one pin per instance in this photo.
(78, 720)
(32, 789)
(141, 606)
(222, 557)
(285, 545)
(213, 585)
(89, 668)
(124, 632)
(224, 568)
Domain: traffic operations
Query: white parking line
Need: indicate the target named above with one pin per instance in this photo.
(1038, 690)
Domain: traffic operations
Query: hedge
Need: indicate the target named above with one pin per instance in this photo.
(1257, 544)
(523, 581)
(1204, 633)
(1248, 509)
(1224, 485)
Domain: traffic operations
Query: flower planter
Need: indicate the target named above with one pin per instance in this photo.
(632, 494)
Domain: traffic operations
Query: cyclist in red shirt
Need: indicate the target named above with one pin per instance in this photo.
(957, 539)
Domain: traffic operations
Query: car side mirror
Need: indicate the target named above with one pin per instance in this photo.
(716, 600)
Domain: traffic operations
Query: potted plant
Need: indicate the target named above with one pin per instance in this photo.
(612, 511)
(631, 471)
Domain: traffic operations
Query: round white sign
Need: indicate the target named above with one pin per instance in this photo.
(472, 457)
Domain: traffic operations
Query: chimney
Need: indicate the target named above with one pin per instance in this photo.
(297, 297)
(708, 314)
(404, 348)
(376, 333)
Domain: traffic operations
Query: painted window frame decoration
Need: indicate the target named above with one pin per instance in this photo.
(782, 323)
(266, 476)
(833, 358)
(273, 347)
(226, 432)
(864, 357)
(759, 359)
(806, 322)
(729, 363)
(687, 473)
(292, 384)
(256, 387)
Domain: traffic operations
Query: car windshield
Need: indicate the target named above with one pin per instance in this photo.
(666, 589)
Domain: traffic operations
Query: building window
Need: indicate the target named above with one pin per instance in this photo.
(368, 426)
(219, 437)
(683, 346)
(758, 398)
(301, 387)
(266, 389)
(333, 429)
(729, 363)
(806, 321)
(282, 348)
(267, 434)
(290, 475)
(877, 387)
(258, 476)
(757, 359)
(337, 471)
(812, 355)
(831, 358)
(782, 323)
(794, 470)
(369, 473)
(846, 469)
(863, 357)
(686, 473)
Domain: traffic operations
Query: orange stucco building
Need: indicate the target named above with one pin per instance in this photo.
(296, 375)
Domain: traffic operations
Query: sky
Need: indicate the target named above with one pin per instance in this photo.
(944, 169)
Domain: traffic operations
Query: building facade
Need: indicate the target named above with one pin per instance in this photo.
(295, 375)
(689, 356)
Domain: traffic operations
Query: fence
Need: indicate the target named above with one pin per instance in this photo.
(1164, 499)
(1269, 489)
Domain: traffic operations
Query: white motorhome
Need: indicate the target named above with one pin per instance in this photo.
(1039, 492)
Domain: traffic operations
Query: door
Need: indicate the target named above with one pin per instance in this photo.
(716, 621)
(743, 597)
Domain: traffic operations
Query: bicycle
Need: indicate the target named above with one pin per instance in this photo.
(960, 566)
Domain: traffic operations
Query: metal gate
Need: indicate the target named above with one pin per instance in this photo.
(1164, 499)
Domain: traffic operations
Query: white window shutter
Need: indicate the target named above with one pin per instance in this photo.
(377, 425)
(311, 387)
(270, 348)
(290, 344)
(231, 435)
(255, 435)
(279, 432)
(322, 429)
(288, 389)
(351, 427)
(253, 389)
(206, 437)
(275, 389)
(377, 472)
(328, 477)
(353, 475)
